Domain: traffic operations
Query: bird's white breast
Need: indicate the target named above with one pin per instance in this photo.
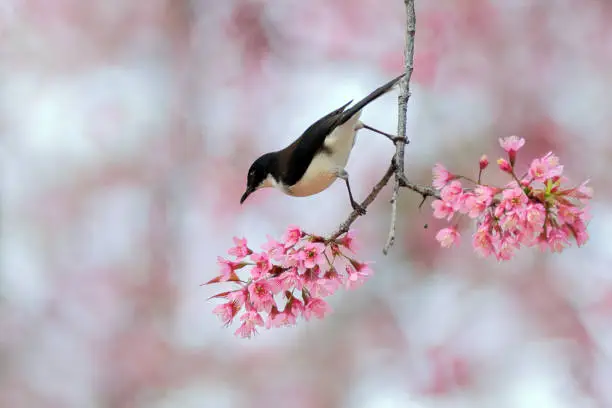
(323, 169)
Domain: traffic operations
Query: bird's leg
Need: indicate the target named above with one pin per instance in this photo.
(380, 132)
(356, 206)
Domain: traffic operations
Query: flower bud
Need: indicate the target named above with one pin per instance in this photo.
(504, 165)
(484, 162)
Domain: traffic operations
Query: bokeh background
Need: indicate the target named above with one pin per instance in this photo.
(127, 129)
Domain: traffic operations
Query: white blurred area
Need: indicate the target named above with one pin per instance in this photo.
(126, 132)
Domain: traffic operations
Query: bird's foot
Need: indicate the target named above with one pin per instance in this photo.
(359, 208)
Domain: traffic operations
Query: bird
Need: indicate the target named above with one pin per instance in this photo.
(319, 156)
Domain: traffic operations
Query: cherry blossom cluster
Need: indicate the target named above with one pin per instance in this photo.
(536, 208)
(288, 279)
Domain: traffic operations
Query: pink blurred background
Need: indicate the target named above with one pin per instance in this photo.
(128, 127)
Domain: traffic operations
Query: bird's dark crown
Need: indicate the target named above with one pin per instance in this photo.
(265, 165)
(259, 170)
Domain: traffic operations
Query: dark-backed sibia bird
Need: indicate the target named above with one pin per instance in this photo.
(314, 160)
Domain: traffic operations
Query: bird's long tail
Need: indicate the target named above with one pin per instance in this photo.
(377, 93)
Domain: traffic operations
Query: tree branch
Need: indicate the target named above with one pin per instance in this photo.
(397, 164)
(344, 227)
(402, 118)
(424, 191)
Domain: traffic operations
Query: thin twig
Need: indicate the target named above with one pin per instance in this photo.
(402, 118)
(424, 191)
(391, 237)
(344, 227)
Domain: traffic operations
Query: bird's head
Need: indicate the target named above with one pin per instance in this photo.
(260, 174)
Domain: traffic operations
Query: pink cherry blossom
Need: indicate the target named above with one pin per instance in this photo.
(452, 193)
(557, 239)
(331, 282)
(274, 248)
(227, 268)
(241, 250)
(545, 168)
(280, 319)
(511, 143)
(316, 307)
(292, 236)
(513, 199)
(505, 251)
(442, 209)
(285, 318)
(553, 162)
(261, 295)
(322, 287)
(535, 215)
(567, 214)
(448, 237)
(297, 259)
(348, 241)
(289, 279)
(294, 306)
(356, 275)
(239, 297)
(314, 255)
(441, 176)
(297, 267)
(313, 282)
(483, 242)
(270, 321)
(227, 312)
(583, 192)
(580, 233)
(251, 320)
(522, 213)
(262, 265)
(510, 220)
(477, 202)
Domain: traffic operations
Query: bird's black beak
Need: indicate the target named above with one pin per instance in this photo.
(247, 193)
